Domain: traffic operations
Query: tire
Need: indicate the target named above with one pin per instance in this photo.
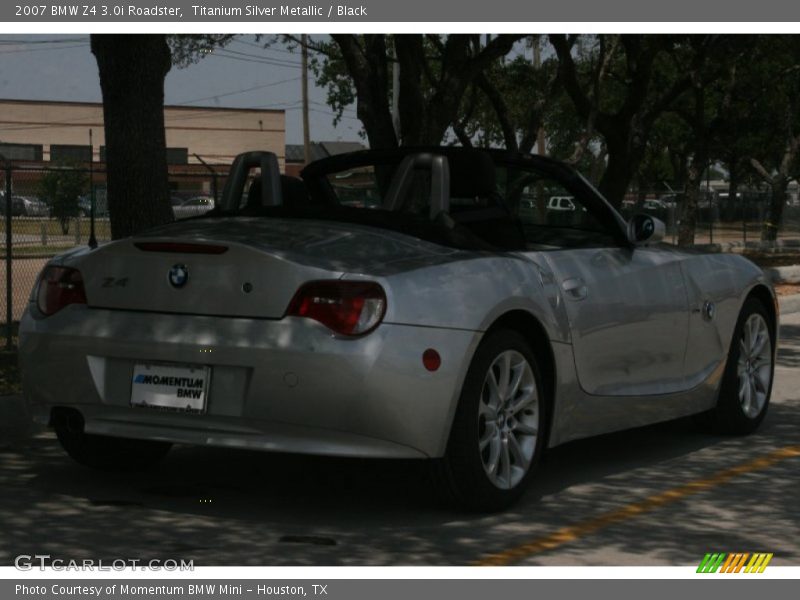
(103, 452)
(494, 447)
(749, 372)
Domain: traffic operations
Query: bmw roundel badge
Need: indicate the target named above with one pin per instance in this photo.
(178, 276)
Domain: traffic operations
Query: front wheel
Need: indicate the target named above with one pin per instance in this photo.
(747, 381)
(497, 434)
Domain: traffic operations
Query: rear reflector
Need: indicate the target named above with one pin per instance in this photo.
(180, 248)
(431, 359)
(346, 307)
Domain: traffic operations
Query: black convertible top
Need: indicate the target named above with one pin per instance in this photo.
(492, 227)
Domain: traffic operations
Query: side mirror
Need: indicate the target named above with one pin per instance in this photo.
(645, 229)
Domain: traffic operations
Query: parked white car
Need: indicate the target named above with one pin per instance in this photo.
(192, 207)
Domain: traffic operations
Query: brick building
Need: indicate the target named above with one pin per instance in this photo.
(50, 133)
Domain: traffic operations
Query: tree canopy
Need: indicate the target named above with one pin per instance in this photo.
(629, 110)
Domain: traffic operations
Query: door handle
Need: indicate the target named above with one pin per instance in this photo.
(575, 288)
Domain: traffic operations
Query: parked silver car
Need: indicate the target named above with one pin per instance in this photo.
(438, 326)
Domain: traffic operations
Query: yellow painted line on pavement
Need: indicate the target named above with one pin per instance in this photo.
(571, 533)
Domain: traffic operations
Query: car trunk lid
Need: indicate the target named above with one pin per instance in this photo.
(243, 267)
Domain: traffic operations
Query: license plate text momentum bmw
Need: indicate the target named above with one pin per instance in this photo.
(172, 387)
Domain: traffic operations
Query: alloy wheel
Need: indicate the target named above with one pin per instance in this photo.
(508, 419)
(754, 366)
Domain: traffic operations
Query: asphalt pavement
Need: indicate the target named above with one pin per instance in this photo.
(659, 495)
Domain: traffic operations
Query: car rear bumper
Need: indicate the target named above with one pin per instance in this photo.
(283, 385)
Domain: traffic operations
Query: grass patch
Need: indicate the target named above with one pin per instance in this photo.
(37, 251)
(33, 226)
(10, 382)
(9, 374)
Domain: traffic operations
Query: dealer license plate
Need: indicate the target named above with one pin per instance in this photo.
(181, 388)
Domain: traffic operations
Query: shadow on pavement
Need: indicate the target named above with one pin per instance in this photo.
(238, 507)
(226, 507)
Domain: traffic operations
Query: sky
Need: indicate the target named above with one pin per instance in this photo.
(242, 75)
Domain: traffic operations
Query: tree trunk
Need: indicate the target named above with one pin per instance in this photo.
(411, 102)
(132, 71)
(368, 66)
(641, 193)
(598, 165)
(617, 176)
(688, 208)
(777, 200)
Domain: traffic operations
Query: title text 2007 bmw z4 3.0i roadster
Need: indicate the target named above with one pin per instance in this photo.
(419, 303)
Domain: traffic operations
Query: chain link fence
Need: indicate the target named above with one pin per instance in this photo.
(721, 220)
(50, 212)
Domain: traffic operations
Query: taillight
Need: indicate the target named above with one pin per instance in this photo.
(58, 287)
(345, 307)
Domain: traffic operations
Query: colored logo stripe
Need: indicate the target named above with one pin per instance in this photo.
(734, 562)
(711, 563)
(758, 563)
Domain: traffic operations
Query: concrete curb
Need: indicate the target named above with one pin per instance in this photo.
(790, 274)
(787, 274)
(789, 304)
(791, 245)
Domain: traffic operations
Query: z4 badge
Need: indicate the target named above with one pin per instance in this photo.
(110, 282)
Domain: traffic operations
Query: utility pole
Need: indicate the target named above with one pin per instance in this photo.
(396, 96)
(213, 176)
(8, 261)
(306, 135)
(537, 64)
(92, 237)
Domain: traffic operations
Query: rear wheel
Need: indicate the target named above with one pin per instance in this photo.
(747, 382)
(497, 433)
(104, 452)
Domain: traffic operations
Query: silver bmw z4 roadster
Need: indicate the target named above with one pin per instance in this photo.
(467, 307)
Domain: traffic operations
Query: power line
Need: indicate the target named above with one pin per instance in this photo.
(331, 113)
(41, 49)
(219, 54)
(242, 91)
(72, 40)
(265, 48)
(258, 56)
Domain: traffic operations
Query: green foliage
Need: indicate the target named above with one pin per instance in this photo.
(625, 109)
(507, 105)
(328, 67)
(61, 187)
(190, 49)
